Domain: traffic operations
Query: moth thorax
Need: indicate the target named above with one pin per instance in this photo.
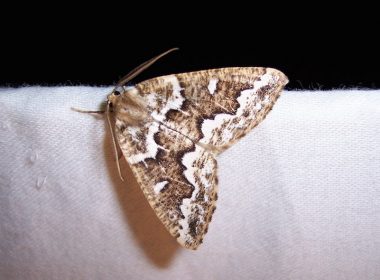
(131, 108)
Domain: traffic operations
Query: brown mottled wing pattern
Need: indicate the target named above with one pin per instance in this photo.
(188, 119)
(214, 107)
(167, 168)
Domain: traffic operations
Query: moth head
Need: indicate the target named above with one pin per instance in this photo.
(113, 97)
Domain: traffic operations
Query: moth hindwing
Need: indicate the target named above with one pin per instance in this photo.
(171, 128)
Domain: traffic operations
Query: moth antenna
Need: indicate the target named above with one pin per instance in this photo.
(87, 111)
(141, 68)
(113, 141)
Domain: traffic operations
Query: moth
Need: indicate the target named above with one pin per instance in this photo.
(170, 130)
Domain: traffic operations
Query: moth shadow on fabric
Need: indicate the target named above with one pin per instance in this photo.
(158, 245)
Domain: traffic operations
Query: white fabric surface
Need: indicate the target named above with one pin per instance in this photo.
(299, 197)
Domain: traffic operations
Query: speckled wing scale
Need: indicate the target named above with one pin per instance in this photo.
(171, 128)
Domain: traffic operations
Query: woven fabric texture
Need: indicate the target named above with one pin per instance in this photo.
(299, 196)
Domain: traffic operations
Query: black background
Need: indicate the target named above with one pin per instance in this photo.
(317, 48)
